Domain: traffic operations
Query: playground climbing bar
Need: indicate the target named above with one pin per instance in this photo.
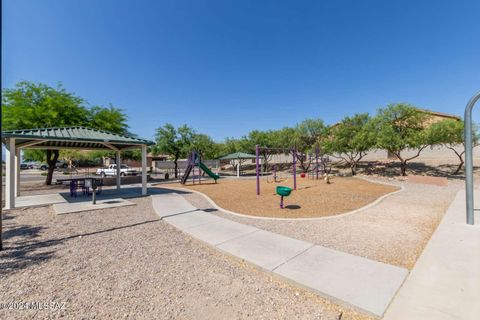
(284, 150)
(469, 158)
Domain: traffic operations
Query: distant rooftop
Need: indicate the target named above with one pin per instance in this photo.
(441, 114)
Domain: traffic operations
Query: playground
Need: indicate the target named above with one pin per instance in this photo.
(313, 198)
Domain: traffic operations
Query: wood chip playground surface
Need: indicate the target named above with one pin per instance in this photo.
(313, 198)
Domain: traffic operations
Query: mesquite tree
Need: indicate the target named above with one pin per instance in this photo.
(308, 134)
(450, 134)
(350, 139)
(400, 127)
(176, 142)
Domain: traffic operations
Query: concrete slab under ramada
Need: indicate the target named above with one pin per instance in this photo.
(108, 193)
(38, 200)
(445, 282)
(349, 280)
(63, 208)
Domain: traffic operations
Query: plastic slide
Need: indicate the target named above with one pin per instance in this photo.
(209, 172)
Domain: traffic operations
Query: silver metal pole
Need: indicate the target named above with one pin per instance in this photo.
(469, 158)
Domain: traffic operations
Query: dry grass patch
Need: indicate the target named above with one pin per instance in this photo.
(313, 198)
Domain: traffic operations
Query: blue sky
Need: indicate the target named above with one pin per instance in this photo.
(227, 67)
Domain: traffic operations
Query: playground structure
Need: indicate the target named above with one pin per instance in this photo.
(195, 162)
(318, 165)
(321, 165)
(275, 150)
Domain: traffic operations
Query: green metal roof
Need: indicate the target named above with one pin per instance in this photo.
(238, 155)
(72, 137)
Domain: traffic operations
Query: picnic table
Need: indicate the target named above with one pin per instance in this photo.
(82, 183)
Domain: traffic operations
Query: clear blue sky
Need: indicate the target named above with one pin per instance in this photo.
(226, 67)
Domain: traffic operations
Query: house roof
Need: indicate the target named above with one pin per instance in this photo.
(441, 114)
(72, 137)
(237, 155)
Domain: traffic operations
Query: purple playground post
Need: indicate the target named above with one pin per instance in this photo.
(192, 160)
(316, 161)
(281, 202)
(275, 172)
(295, 169)
(257, 159)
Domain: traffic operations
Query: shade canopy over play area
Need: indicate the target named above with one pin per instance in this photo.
(77, 138)
(238, 157)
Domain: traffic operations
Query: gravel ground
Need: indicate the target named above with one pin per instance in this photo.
(394, 231)
(313, 198)
(125, 263)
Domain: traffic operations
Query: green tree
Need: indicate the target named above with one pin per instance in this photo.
(308, 134)
(400, 127)
(229, 145)
(31, 105)
(176, 142)
(109, 119)
(285, 137)
(34, 155)
(450, 134)
(232, 145)
(36, 105)
(205, 146)
(265, 139)
(350, 139)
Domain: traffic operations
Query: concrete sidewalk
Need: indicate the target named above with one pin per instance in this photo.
(64, 208)
(445, 282)
(350, 280)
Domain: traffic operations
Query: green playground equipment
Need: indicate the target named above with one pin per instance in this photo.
(194, 160)
(283, 192)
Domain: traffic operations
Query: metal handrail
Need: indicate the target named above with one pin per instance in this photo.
(469, 158)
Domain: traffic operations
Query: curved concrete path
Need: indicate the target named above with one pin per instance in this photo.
(350, 280)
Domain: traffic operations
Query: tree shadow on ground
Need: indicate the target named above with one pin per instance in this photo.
(27, 251)
(392, 169)
(15, 255)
